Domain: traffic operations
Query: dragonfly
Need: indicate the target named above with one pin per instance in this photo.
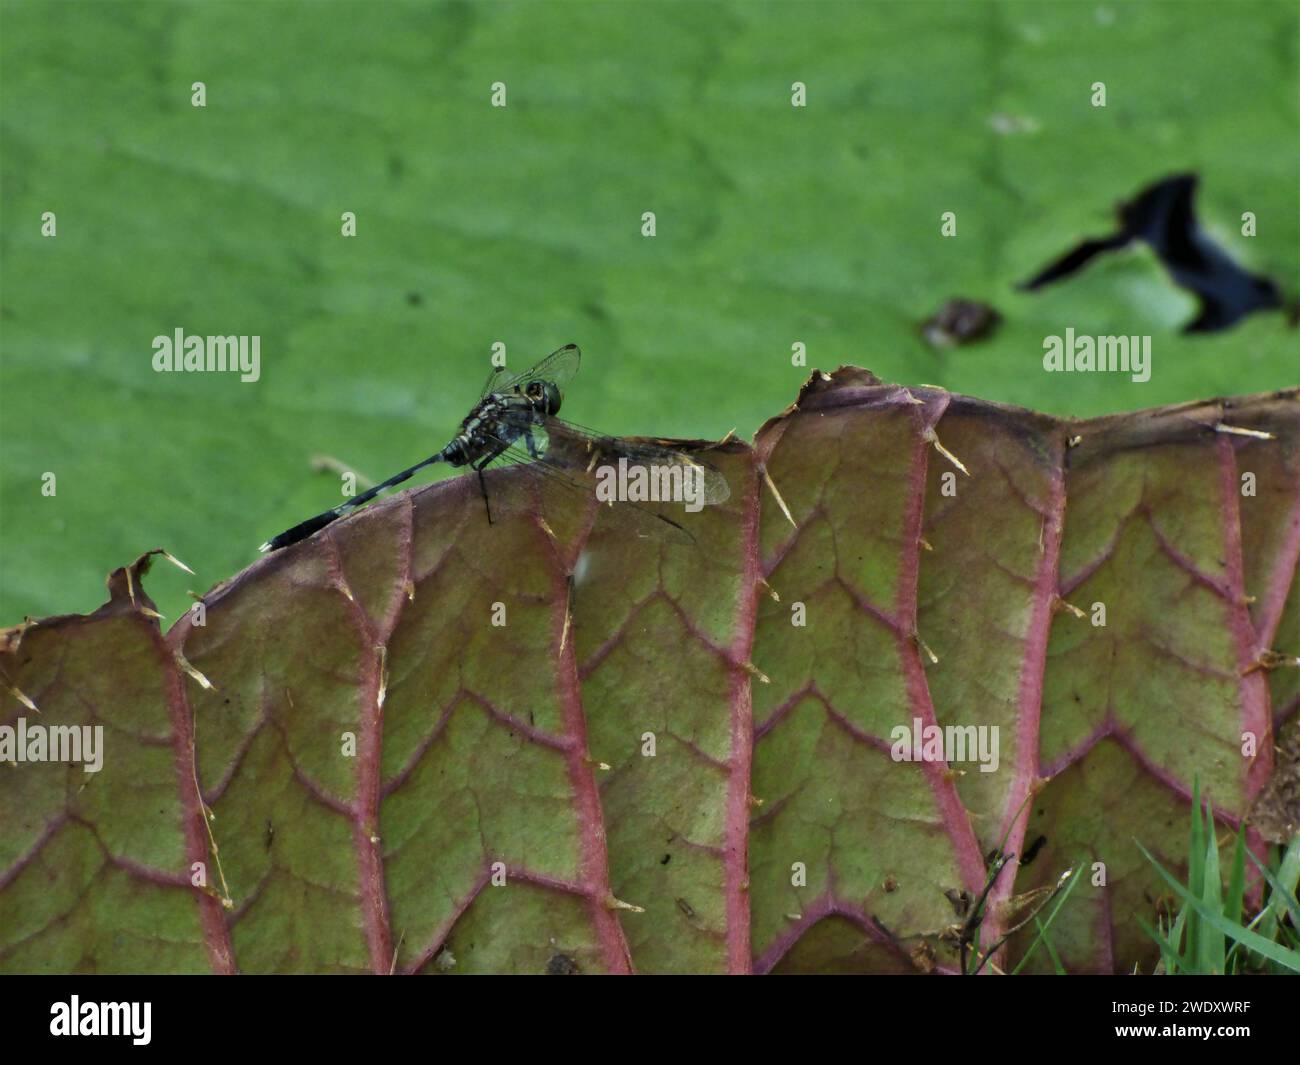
(515, 421)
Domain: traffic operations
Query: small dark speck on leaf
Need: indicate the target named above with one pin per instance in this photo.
(414, 299)
(959, 321)
(665, 859)
(1031, 852)
(561, 965)
(960, 901)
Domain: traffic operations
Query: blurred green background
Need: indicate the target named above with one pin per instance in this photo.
(522, 225)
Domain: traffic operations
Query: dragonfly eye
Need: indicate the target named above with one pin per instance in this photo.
(545, 395)
(550, 397)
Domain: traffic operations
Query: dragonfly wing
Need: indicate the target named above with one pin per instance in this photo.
(641, 520)
(493, 383)
(705, 482)
(558, 367)
(569, 445)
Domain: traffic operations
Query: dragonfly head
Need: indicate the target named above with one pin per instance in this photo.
(544, 396)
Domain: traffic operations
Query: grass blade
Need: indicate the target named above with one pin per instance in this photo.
(1195, 879)
(1043, 927)
(1211, 946)
(1289, 959)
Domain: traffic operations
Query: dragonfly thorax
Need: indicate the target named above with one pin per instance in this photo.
(501, 419)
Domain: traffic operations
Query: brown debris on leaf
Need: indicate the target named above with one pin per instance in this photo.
(1277, 810)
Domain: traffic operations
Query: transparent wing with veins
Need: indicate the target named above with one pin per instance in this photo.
(558, 367)
(563, 454)
(564, 446)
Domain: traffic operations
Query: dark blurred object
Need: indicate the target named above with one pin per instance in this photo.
(1162, 216)
(960, 321)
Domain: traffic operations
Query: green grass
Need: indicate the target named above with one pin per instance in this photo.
(1043, 939)
(1209, 933)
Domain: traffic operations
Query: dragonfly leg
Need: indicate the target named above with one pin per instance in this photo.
(482, 487)
(482, 482)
